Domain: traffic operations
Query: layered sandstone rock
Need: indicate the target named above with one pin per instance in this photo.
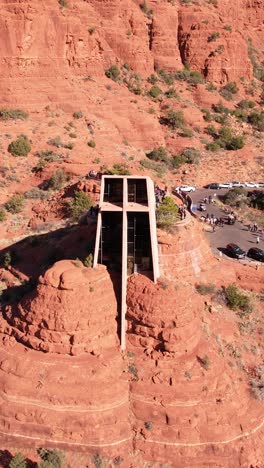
(53, 398)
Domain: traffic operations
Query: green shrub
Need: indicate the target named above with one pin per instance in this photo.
(159, 168)
(211, 130)
(177, 161)
(113, 72)
(228, 28)
(167, 213)
(88, 261)
(158, 154)
(227, 140)
(195, 78)
(244, 104)
(12, 114)
(235, 143)
(207, 116)
(18, 461)
(63, 3)
(36, 194)
(51, 458)
(69, 145)
(91, 144)
(73, 135)
(49, 156)
(167, 78)
(152, 79)
(118, 169)
(155, 92)
(256, 119)
(220, 108)
(205, 362)
(148, 12)
(79, 205)
(213, 37)
(205, 289)
(231, 86)
(235, 299)
(15, 204)
(55, 142)
(171, 93)
(57, 180)
(257, 383)
(191, 155)
(174, 119)
(2, 215)
(20, 146)
(77, 115)
(148, 425)
(257, 201)
(214, 146)
(240, 114)
(186, 132)
(233, 196)
(7, 260)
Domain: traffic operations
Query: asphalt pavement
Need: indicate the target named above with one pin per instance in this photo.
(238, 233)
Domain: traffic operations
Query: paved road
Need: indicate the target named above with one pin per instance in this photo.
(237, 233)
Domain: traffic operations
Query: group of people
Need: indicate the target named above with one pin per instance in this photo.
(160, 194)
(253, 227)
(213, 220)
(182, 212)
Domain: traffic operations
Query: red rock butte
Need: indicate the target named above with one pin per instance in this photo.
(62, 396)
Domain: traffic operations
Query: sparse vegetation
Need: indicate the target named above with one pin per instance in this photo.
(167, 214)
(148, 425)
(36, 194)
(79, 205)
(88, 261)
(147, 11)
(229, 90)
(118, 169)
(12, 114)
(204, 361)
(213, 37)
(15, 204)
(77, 115)
(174, 119)
(63, 3)
(2, 215)
(113, 72)
(257, 383)
(18, 461)
(51, 458)
(57, 180)
(205, 289)
(91, 144)
(155, 92)
(237, 300)
(20, 146)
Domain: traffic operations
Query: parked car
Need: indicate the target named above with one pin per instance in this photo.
(185, 188)
(256, 253)
(233, 250)
(214, 186)
(225, 185)
(252, 184)
(237, 184)
(261, 184)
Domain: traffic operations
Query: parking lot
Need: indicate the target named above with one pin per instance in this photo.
(237, 233)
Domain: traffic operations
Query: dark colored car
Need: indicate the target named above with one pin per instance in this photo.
(212, 186)
(233, 250)
(256, 253)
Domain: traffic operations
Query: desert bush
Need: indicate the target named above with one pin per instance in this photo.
(159, 168)
(2, 215)
(219, 108)
(12, 114)
(148, 12)
(256, 119)
(113, 72)
(171, 93)
(68, 145)
(205, 289)
(49, 156)
(91, 144)
(36, 194)
(152, 79)
(228, 28)
(57, 180)
(88, 261)
(158, 154)
(118, 169)
(186, 132)
(73, 135)
(244, 104)
(240, 114)
(257, 384)
(148, 425)
(51, 458)
(18, 461)
(19, 147)
(174, 119)
(77, 115)
(79, 205)
(167, 213)
(63, 3)
(55, 142)
(257, 201)
(232, 197)
(133, 370)
(211, 130)
(191, 155)
(177, 161)
(236, 300)
(155, 92)
(204, 361)
(213, 37)
(15, 204)
(166, 77)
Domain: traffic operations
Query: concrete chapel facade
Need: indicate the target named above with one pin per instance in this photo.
(126, 237)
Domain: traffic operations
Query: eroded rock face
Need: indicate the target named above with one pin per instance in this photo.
(72, 311)
(72, 396)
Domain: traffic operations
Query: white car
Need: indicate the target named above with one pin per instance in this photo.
(237, 184)
(225, 185)
(185, 188)
(251, 184)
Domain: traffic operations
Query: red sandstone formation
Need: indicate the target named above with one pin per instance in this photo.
(72, 395)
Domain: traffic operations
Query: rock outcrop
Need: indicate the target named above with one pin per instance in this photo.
(72, 395)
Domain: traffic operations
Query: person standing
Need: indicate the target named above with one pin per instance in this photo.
(257, 240)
